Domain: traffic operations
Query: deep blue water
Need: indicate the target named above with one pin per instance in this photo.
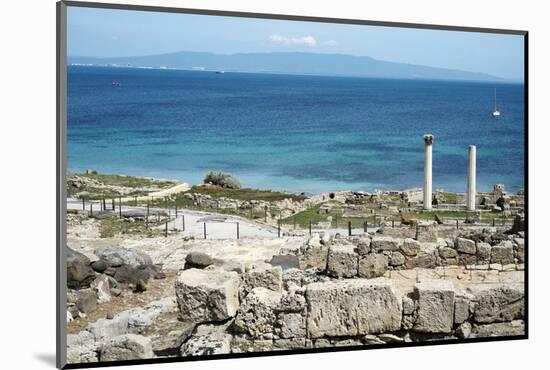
(296, 133)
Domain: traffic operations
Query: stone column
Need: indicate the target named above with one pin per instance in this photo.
(471, 194)
(428, 140)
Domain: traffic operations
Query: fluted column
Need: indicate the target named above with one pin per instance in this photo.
(471, 194)
(428, 140)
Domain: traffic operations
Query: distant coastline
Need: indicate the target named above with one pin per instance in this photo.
(309, 64)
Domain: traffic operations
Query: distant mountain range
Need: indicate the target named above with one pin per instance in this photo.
(290, 63)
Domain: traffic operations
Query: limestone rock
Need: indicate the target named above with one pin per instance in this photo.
(384, 243)
(426, 232)
(465, 246)
(495, 304)
(372, 265)
(501, 329)
(127, 347)
(293, 277)
(435, 306)
(82, 354)
(446, 252)
(86, 300)
(205, 296)
(424, 260)
(79, 272)
(363, 246)
(207, 340)
(410, 247)
(397, 259)
(462, 310)
(342, 261)
(314, 255)
(118, 256)
(520, 249)
(352, 307)
(198, 260)
(256, 314)
(102, 287)
(483, 251)
(261, 275)
(502, 253)
(290, 325)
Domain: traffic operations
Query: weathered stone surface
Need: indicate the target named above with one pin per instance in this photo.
(465, 246)
(342, 261)
(426, 232)
(446, 252)
(435, 306)
(410, 247)
(397, 259)
(427, 260)
(520, 249)
(372, 265)
(293, 277)
(261, 275)
(79, 272)
(118, 256)
(243, 344)
(127, 347)
(501, 329)
(314, 255)
(462, 309)
(82, 354)
(132, 321)
(292, 301)
(170, 343)
(99, 266)
(408, 305)
(465, 259)
(286, 261)
(137, 277)
(503, 253)
(352, 307)
(483, 252)
(205, 296)
(288, 344)
(464, 330)
(86, 300)
(496, 304)
(207, 340)
(290, 325)
(195, 259)
(102, 287)
(256, 315)
(363, 246)
(384, 243)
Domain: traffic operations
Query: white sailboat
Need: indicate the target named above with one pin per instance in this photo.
(496, 111)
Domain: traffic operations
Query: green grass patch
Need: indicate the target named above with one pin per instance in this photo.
(245, 194)
(112, 226)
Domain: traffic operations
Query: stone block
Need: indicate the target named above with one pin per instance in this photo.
(435, 306)
(352, 307)
(205, 296)
(342, 261)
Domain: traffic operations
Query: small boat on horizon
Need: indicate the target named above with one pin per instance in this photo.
(220, 72)
(496, 111)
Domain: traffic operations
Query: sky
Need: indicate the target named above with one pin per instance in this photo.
(115, 33)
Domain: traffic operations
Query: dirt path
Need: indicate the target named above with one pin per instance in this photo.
(180, 188)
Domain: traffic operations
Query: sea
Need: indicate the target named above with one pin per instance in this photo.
(293, 133)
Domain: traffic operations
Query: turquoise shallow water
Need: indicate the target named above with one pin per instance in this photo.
(295, 133)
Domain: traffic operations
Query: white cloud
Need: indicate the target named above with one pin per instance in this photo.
(304, 40)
